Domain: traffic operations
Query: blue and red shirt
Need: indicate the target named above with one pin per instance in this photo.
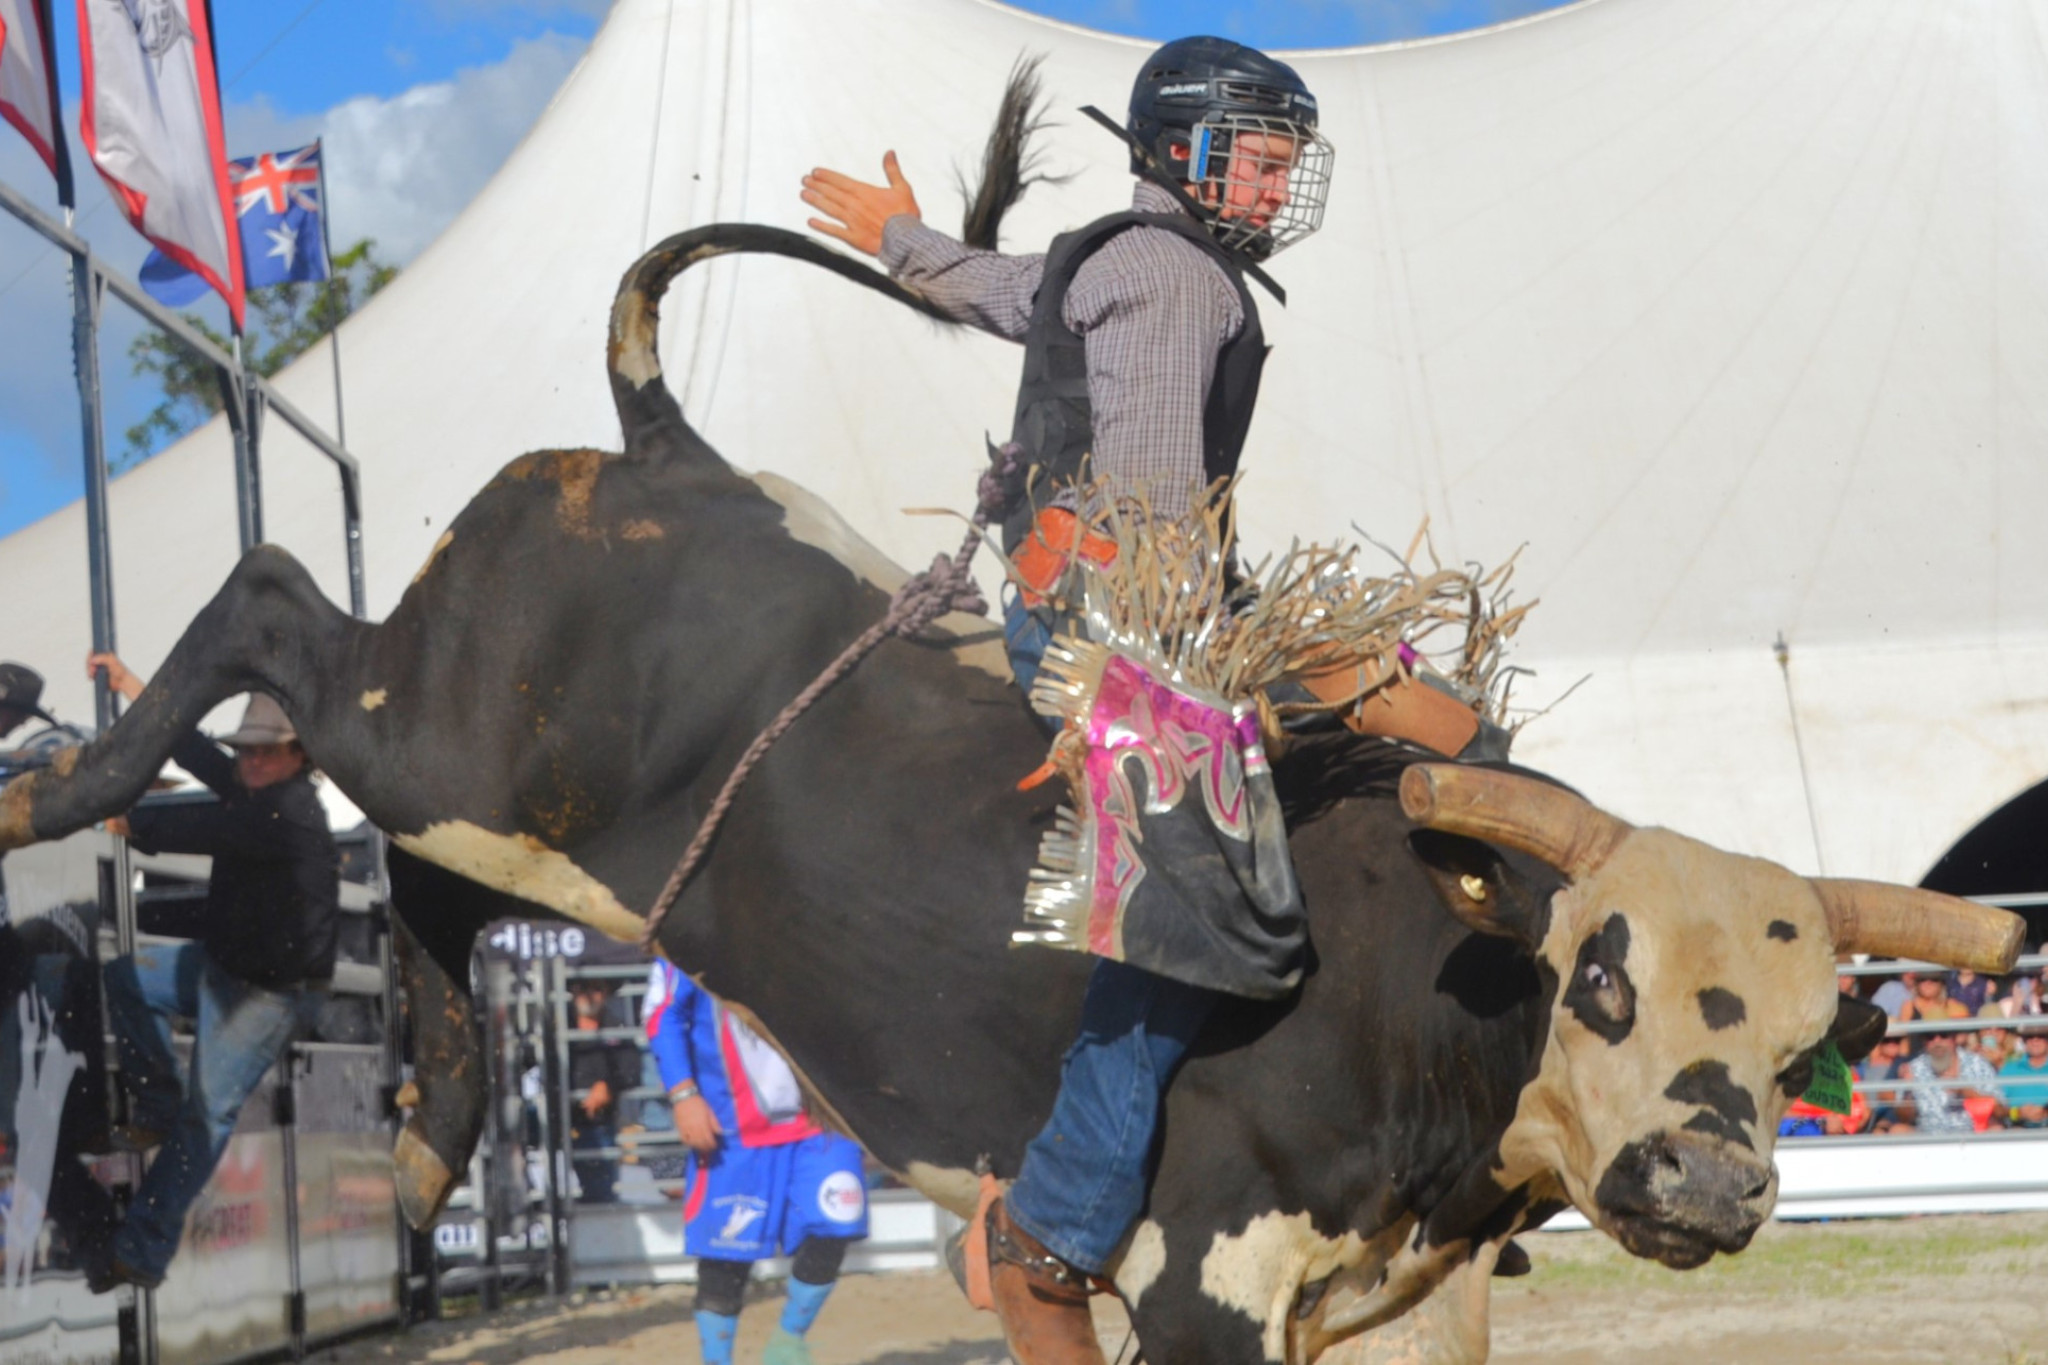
(744, 1080)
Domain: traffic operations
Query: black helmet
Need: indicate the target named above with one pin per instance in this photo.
(1193, 101)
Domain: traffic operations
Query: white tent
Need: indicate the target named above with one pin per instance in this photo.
(1734, 314)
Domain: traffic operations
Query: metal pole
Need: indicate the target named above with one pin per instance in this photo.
(137, 1323)
(85, 354)
(288, 1069)
(234, 390)
(334, 332)
(561, 1206)
(352, 529)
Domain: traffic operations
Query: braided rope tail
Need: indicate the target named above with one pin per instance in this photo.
(946, 586)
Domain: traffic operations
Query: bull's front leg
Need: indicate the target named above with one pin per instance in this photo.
(1449, 1327)
(267, 629)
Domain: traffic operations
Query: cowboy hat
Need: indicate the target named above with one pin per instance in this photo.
(264, 722)
(21, 689)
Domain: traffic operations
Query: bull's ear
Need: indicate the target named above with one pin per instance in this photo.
(1857, 1028)
(1481, 888)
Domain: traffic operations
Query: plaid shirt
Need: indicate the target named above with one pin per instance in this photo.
(1153, 311)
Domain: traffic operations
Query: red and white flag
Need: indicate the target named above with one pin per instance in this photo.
(153, 129)
(28, 85)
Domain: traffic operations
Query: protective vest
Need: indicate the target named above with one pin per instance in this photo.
(1054, 424)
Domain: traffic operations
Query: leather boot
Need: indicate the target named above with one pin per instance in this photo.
(1042, 1301)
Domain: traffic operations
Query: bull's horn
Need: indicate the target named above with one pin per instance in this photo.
(1904, 921)
(1563, 829)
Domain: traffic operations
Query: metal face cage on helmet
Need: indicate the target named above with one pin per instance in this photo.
(1266, 178)
(1238, 130)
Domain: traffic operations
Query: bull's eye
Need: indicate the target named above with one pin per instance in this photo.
(1600, 995)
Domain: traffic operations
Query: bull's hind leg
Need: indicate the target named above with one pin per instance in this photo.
(439, 916)
(269, 629)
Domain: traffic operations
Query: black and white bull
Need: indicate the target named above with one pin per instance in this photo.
(1616, 1021)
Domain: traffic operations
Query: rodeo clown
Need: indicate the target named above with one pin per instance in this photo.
(1142, 357)
(762, 1174)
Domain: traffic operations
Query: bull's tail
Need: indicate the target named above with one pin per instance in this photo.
(1009, 166)
(652, 420)
(649, 415)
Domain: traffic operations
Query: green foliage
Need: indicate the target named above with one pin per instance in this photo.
(283, 321)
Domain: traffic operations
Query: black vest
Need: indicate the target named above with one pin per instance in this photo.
(1054, 424)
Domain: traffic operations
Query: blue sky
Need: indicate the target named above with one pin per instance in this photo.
(419, 102)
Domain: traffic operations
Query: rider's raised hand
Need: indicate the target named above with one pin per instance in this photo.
(854, 211)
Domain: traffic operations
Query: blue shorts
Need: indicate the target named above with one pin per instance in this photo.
(745, 1202)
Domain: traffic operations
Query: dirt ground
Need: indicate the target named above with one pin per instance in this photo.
(1956, 1290)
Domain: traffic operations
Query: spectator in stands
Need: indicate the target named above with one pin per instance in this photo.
(1969, 990)
(601, 1071)
(1993, 1044)
(2028, 996)
(1935, 1108)
(2028, 1095)
(764, 1175)
(258, 977)
(1893, 994)
(1931, 1000)
(1886, 1062)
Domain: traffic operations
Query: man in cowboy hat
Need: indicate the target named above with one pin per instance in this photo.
(21, 695)
(257, 977)
(21, 701)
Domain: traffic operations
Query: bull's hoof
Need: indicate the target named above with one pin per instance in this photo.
(15, 830)
(424, 1180)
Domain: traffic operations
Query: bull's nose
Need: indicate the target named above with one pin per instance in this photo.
(1690, 1186)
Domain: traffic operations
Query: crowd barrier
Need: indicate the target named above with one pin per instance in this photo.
(298, 1242)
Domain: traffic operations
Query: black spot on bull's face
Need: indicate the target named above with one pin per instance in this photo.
(1681, 1004)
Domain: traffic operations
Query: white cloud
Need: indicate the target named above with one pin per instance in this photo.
(461, 10)
(399, 170)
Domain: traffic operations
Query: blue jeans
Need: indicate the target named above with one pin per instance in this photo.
(1085, 1175)
(597, 1175)
(241, 1030)
(1025, 636)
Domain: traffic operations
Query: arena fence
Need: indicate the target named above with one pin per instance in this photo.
(296, 1241)
(637, 1237)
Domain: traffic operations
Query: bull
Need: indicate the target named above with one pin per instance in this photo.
(1607, 1017)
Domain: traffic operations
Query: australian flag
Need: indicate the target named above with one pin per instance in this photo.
(277, 200)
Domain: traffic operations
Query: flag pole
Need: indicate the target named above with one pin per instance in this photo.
(334, 332)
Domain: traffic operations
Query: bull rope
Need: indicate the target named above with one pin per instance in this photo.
(944, 587)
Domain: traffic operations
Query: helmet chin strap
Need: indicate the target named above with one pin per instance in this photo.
(1201, 212)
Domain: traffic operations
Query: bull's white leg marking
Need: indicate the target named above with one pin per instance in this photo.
(434, 554)
(955, 1190)
(1144, 1261)
(521, 865)
(811, 522)
(1259, 1271)
(375, 698)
